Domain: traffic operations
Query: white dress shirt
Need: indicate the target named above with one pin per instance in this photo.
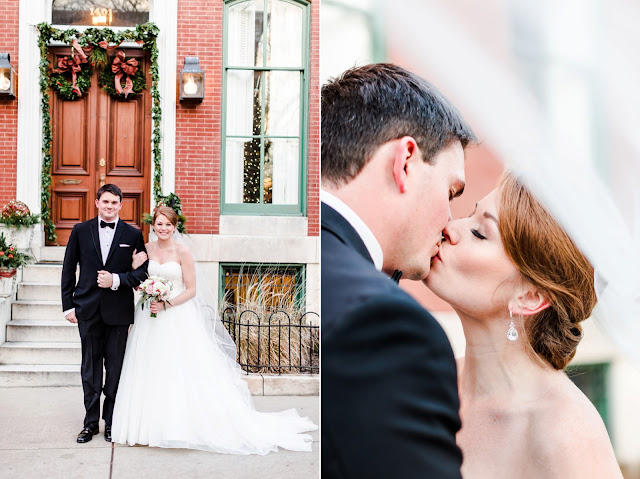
(367, 237)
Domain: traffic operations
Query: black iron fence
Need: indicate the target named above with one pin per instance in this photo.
(274, 342)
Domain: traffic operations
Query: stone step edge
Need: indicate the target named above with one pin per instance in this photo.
(40, 345)
(38, 323)
(259, 384)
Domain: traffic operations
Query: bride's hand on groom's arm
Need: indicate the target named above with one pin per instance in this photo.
(138, 259)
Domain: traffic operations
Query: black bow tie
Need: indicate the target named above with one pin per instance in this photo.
(104, 223)
(396, 276)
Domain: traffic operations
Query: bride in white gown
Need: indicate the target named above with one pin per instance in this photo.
(178, 388)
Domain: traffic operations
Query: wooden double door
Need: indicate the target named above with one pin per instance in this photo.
(98, 139)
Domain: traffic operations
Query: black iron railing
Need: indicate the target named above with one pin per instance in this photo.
(274, 342)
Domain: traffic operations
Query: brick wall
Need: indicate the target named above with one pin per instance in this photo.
(9, 108)
(198, 127)
(313, 186)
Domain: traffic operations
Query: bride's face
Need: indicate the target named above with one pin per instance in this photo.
(163, 227)
(472, 272)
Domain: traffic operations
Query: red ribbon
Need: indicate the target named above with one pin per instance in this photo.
(124, 68)
(71, 64)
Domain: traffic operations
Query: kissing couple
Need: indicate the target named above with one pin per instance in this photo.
(394, 401)
(171, 380)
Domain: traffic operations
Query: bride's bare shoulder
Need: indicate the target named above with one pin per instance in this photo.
(183, 252)
(569, 436)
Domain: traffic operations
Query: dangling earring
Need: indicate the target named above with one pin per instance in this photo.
(512, 334)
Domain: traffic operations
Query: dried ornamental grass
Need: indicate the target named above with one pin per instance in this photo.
(267, 319)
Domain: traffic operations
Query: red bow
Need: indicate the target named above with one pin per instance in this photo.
(124, 68)
(72, 64)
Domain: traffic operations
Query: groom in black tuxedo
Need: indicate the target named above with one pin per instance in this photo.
(101, 302)
(392, 159)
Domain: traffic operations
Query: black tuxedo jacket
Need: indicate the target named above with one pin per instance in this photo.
(116, 307)
(389, 388)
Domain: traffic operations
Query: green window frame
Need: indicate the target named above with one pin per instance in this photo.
(256, 164)
(278, 278)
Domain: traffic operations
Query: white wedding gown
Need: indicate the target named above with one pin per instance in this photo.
(177, 389)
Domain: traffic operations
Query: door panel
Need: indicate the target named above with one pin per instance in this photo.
(70, 155)
(96, 140)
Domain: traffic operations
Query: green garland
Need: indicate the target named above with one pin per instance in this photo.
(91, 37)
(61, 83)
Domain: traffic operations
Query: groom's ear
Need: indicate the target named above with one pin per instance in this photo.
(406, 148)
(531, 302)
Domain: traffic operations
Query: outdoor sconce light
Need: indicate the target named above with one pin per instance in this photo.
(8, 78)
(191, 80)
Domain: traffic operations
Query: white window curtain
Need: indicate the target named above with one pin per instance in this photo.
(241, 52)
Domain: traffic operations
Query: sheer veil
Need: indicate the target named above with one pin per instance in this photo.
(207, 304)
(595, 197)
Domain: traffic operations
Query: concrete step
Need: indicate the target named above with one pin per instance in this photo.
(37, 330)
(52, 254)
(30, 352)
(42, 273)
(38, 291)
(37, 310)
(39, 375)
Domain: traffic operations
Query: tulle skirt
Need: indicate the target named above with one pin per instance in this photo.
(177, 389)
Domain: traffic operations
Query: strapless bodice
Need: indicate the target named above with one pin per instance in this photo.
(171, 271)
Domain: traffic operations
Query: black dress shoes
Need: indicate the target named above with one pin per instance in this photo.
(87, 433)
(107, 433)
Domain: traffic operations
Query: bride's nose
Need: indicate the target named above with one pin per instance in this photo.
(450, 233)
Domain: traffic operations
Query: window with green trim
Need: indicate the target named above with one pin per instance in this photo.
(592, 379)
(263, 288)
(265, 92)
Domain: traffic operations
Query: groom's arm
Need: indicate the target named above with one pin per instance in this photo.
(69, 266)
(389, 394)
(133, 278)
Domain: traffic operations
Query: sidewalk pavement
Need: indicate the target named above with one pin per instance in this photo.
(38, 429)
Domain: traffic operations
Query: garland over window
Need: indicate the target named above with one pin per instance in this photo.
(99, 41)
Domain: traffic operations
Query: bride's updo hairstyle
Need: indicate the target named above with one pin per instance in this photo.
(547, 258)
(171, 215)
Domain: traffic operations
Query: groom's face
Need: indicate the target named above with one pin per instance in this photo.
(429, 193)
(109, 206)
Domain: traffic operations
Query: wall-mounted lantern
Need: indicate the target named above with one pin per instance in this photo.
(8, 78)
(191, 81)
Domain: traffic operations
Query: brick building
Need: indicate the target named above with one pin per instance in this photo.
(244, 160)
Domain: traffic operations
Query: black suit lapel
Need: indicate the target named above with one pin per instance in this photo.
(336, 223)
(93, 226)
(116, 238)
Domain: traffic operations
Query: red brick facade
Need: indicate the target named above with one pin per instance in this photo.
(199, 127)
(313, 186)
(9, 108)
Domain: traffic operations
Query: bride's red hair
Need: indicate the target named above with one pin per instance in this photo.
(546, 257)
(171, 215)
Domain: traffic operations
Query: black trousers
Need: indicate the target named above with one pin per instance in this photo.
(101, 344)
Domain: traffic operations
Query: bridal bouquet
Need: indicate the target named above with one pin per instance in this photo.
(154, 288)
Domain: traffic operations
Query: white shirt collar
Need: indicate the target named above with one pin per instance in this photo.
(367, 237)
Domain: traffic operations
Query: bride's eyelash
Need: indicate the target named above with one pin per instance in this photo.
(477, 234)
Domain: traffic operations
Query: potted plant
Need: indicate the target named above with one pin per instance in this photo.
(16, 221)
(10, 260)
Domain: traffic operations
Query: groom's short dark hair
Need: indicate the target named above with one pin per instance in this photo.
(109, 188)
(368, 106)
